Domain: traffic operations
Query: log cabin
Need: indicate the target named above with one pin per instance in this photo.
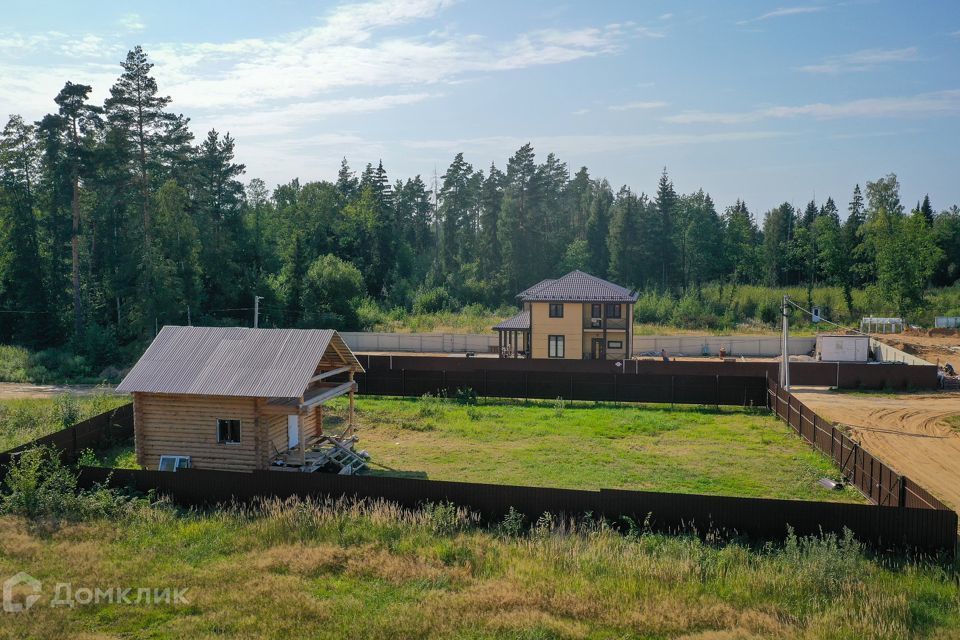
(235, 399)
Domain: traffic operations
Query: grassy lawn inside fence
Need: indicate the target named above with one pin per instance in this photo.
(684, 449)
(726, 451)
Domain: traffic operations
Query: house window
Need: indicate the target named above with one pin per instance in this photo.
(613, 310)
(555, 346)
(556, 310)
(595, 310)
(172, 463)
(228, 431)
(615, 344)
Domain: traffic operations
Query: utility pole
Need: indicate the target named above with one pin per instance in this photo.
(256, 311)
(785, 346)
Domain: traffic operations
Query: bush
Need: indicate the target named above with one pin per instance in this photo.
(39, 486)
(466, 396)
(433, 301)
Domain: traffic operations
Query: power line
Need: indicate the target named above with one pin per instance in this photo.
(839, 326)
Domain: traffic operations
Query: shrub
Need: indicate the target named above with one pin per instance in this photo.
(466, 395)
(40, 487)
(433, 301)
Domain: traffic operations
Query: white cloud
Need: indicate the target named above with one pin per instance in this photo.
(782, 12)
(956, 34)
(631, 106)
(863, 60)
(666, 16)
(131, 22)
(580, 112)
(924, 104)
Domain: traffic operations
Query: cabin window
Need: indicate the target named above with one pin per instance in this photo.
(615, 344)
(613, 310)
(172, 463)
(228, 431)
(555, 346)
(556, 310)
(595, 310)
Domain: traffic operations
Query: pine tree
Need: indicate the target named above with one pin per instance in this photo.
(135, 108)
(76, 122)
(598, 228)
(663, 237)
(927, 209)
(347, 183)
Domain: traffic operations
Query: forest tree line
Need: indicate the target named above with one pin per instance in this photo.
(115, 219)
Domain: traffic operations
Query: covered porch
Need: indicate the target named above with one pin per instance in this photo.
(514, 334)
(295, 429)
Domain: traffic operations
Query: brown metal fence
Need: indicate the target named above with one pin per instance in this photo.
(573, 385)
(914, 519)
(92, 433)
(874, 479)
(759, 518)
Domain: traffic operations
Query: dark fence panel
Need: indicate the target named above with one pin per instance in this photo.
(846, 375)
(92, 433)
(570, 385)
(873, 478)
(885, 527)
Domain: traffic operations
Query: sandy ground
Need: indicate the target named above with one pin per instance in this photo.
(10, 390)
(907, 431)
(943, 346)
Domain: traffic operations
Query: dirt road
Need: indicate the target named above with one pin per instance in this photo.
(907, 431)
(9, 390)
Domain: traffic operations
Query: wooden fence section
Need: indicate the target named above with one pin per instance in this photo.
(606, 387)
(874, 479)
(885, 527)
(92, 433)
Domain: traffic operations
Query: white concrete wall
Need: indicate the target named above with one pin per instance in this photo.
(748, 346)
(885, 353)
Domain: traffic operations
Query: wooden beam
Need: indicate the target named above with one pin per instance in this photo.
(331, 373)
(329, 394)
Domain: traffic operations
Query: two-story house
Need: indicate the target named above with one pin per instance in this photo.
(577, 316)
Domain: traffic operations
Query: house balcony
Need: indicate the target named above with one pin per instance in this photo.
(596, 324)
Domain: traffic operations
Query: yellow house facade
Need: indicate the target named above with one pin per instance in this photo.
(575, 317)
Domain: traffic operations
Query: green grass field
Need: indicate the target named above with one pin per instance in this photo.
(334, 571)
(579, 445)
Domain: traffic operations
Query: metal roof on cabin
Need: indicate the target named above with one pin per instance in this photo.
(232, 361)
(577, 286)
(519, 321)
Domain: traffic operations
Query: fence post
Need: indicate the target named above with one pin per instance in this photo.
(673, 380)
(526, 386)
(403, 382)
(902, 493)
(571, 387)
(717, 392)
(615, 377)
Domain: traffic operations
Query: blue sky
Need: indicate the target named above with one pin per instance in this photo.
(755, 100)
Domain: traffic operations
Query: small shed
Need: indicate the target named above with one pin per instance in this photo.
(235, 399)
(843, 348)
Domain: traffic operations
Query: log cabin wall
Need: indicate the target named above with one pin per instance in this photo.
(184, 425)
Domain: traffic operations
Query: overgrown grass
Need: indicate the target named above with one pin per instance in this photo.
(373, 570)
(25, 419)
(953, 422)
(726, 451)
(53, 366)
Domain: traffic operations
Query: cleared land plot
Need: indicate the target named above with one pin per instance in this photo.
(914, 433)
(580, 445)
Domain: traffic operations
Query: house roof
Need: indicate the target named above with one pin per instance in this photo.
(577, 286)
(519, 321)
(233, 361)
